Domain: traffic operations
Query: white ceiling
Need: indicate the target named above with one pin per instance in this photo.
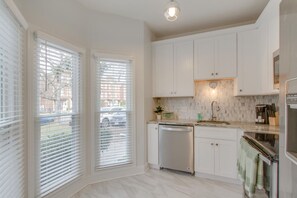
(196, 15)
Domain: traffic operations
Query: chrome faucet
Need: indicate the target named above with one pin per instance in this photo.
(212, 111)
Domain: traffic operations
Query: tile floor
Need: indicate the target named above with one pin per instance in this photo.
(161, 184)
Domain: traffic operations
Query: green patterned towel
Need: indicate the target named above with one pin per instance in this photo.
(250, 168)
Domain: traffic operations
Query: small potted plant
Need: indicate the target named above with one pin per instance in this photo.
(158, 111)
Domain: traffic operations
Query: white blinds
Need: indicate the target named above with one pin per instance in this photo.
(11, 105)
(114, 87)
(58, 115)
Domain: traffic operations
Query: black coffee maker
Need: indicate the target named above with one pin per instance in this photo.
(262, 114)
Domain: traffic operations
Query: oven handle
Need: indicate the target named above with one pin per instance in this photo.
(261, 156)
(265, 159)
(293, 106)
(179, 129)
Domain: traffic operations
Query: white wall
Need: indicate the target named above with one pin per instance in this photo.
(70, 21)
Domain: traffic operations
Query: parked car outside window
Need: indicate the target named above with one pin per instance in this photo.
(46, 120)
(112, 116)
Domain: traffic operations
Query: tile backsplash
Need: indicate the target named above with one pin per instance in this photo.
(231, 108)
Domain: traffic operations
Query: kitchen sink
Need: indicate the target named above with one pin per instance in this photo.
(213, 122)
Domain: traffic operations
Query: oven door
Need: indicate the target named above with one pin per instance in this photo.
(291, 137)
(291, 117)
(266, 144)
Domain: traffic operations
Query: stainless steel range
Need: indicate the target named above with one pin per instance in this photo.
(268, 145)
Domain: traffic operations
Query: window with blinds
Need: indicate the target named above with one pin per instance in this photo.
(57, 115)
(114, 117)
(12, 165)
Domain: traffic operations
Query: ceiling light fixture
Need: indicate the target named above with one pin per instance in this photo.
(172, 11)
(213, 84)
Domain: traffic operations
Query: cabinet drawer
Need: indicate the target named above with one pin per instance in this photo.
(216, 133)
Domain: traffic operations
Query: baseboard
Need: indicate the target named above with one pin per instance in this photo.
(146, 167)
(218, 178)
(107, 175)
(154, 166)
(69, 190)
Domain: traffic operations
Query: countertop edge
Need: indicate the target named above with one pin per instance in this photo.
(244, 126)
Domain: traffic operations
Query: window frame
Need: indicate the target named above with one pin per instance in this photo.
(93, 110)
(34, 133)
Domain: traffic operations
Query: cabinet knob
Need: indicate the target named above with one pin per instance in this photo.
(156, 128)
(211, 144)
(240, 90)
(175, 92)
(212, 74)
(217, 144)
(217, 73)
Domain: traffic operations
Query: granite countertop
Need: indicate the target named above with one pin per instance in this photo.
(245, 126)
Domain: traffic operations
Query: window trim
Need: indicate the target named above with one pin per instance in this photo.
(92, 110)
(33, 139)
(16, 12)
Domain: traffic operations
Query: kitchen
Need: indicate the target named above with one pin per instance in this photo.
(207, 113)
(219, 89)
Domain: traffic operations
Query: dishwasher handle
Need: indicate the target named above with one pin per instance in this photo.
(177, 129)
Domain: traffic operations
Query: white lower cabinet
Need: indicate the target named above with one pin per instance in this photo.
(153, 144)
(216, 151)
(204, 155)
(225, 158)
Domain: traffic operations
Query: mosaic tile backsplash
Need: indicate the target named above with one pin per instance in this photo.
(231, 108)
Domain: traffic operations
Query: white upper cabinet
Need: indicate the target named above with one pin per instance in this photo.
(255, 55)
(215, 57)
(273, 45)
(226, 56)
(163, 65)
(204, 58)
(173, 69)
(251, 60)
(183, 69)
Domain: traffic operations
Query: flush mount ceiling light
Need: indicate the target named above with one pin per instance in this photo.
(172, 11)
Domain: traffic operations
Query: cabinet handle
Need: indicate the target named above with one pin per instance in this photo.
(217, 144)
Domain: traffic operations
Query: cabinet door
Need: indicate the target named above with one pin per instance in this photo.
(163, 70)
(204, 155)
(273, 45)
(226, 56)
(204, 60)
(153, 144)
(183, 69)
(250, 64)
(225, 158)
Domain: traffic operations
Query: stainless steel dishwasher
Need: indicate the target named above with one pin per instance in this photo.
(176, 147)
